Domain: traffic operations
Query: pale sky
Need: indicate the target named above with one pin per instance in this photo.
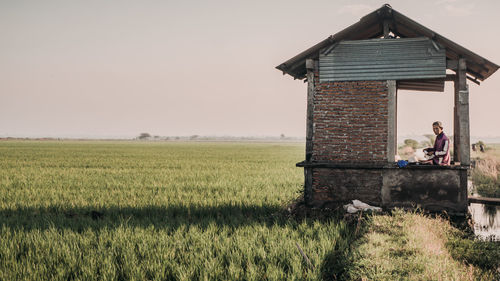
(119, 68)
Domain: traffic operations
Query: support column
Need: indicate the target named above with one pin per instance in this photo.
(310, 66)
(392, 123)
(386, 26)
(456, 123)
(461, 122)
(396, 122)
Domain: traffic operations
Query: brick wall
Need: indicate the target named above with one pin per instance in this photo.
(350, 122)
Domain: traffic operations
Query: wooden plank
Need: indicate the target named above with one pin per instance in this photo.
(386, 28)
(311, 66)
(452, 64)
(329, 49)
(310, 100)
(391, 121)
(474, 80)
(463, 113)
(434, 85)
(456, 139)
(456, 122)
(395, 119)
(484, 200)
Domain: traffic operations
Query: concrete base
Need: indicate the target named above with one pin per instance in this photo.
(433, 188)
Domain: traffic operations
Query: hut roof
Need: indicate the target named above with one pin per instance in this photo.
(371, 26)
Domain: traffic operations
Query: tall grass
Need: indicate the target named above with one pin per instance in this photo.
(158, 211)
(486, 178)
(413, 246)
(190, 211)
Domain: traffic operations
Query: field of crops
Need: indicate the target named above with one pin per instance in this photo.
(160, 211)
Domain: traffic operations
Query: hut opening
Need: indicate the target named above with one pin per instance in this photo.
(353, 78)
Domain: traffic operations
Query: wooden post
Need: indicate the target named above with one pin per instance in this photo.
(386, 28)
(396, 121)
(310, 66)
(310, 100)
(462, 129)
(456, 124)
(463, 102)
(392, 123)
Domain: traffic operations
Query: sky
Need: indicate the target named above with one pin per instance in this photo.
(118, 68)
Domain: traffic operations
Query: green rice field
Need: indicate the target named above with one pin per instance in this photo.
(84, 210)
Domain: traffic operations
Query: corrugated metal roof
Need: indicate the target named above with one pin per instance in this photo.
(371, 26)
(383, 59)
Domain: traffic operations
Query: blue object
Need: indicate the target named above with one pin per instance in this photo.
(402, 163)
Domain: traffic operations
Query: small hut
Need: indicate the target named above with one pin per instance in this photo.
(353, 78)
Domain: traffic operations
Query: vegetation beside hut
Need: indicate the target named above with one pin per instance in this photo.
(485, 174)
(87, 210)
(413, 246)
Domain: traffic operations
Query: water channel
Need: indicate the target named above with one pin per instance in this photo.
(486, 220)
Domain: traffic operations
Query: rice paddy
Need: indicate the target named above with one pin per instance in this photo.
(123, 210)
(157, 211)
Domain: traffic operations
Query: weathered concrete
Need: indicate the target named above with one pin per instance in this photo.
(341, 185)
(431, 188)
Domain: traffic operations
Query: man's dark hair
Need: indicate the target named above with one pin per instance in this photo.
(438, 123)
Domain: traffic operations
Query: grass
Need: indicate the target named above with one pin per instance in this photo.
(197, 211)
(485, 175)
(413, 246)
(479, 253)
(157, 211)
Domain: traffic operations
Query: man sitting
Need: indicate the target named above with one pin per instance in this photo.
(440, 153)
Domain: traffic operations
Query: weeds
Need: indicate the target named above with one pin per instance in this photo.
(485, 255)
(485, 177)
(412, 246)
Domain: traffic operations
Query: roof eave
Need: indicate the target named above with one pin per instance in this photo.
(450, 45)
(312, 52)
(478, 66)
